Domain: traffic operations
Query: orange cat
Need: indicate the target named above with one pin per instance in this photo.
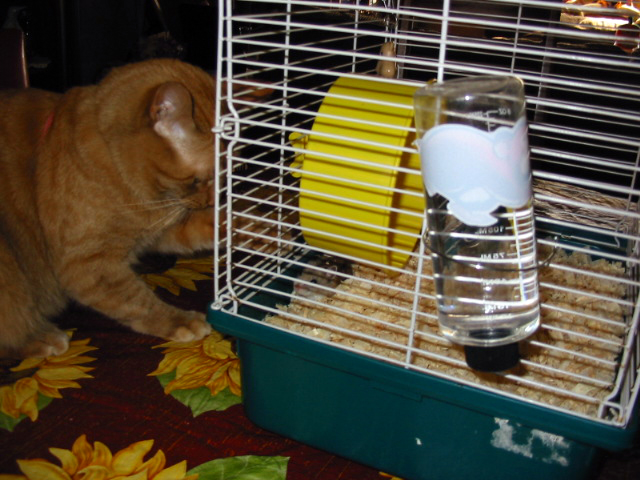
(91, 179)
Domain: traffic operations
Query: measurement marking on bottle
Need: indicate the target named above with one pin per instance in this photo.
(493, 256)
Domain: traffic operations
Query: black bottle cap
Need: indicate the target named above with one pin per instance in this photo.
(492, 359)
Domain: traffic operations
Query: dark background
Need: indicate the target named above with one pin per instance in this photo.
(75, 42)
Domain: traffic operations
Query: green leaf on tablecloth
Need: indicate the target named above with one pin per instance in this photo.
(9, 423)
(243, 468)
(200, 400)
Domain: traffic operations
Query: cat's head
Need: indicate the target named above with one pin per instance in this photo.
(188, 171)
(157, 118)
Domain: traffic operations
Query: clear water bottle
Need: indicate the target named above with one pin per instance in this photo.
(472, 138)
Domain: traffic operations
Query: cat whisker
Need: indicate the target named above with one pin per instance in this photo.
(147, 202)
(166, 220)
(155, 204)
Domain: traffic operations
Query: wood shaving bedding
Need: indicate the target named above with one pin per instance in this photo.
(555, 357)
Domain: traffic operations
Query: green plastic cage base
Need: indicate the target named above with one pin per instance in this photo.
(414, 425)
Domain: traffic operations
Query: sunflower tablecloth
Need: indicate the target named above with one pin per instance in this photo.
(120, 405)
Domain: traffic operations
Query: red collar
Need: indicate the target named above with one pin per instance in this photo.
(47, 126)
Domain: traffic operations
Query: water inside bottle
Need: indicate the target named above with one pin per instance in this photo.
(486, 278)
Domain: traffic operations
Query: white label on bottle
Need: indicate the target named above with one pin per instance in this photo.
(477, 171)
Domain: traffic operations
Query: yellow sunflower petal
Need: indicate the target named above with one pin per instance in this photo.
(213, 337)
(94, 472)
(75, 360)
(52, 374)
(193, 364)
(68, 460)
(51, 392)
(235, 381)
(219, 380)
(155, 464)
(143, 475)
(127, 460)
(198, 369)
(187, 273)
(79, 342)
(226, 376)
(7, 401)
(170, 348)
(161, 370)
(184, 273)
(235, 389)
(192, 354)
(62, 373)
(217, 385)
(174, 472)
(219, 350)
(51, 389)
(27, 364)
(171, 361)
(187, 382)
(101, 455)
(213, 341)
(42, 470)
(76, 348)
(203, 265)
(25, 393)
(179, 346)
(83, 451)
(186, 283)
(209, 362)
(161, 281)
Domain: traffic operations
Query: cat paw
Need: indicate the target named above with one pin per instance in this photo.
(200, 230)
(46, 345)
(191, 329)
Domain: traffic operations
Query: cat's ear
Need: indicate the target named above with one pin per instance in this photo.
(171, 111)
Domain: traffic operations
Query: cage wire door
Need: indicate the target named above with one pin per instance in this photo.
(323, 198)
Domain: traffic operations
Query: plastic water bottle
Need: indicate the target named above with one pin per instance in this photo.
(475, 162)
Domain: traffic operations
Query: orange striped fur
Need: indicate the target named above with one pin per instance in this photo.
(89, 181)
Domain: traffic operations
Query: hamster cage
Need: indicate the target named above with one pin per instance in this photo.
(321, 274)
